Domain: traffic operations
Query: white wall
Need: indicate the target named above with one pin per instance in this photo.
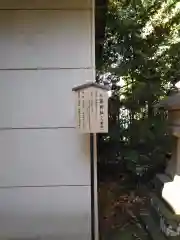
(46, 4)
(46, 49)
(48, 38)
(45, 213)
(39, 98)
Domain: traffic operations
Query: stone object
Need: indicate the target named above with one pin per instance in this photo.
(171, 190)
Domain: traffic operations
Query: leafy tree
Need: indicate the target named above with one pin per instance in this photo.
(141, 64)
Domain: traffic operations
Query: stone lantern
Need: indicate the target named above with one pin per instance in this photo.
(171, 189)
(162, 220)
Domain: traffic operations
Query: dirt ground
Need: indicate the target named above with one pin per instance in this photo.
(119, 208)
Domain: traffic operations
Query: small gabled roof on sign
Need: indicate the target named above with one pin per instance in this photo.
(90, 84)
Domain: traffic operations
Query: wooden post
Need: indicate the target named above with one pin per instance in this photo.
(92, 118)
(92, 187)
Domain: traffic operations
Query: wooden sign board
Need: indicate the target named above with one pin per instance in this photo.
(91, 108)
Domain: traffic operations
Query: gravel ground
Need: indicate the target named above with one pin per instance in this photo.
(119, 207)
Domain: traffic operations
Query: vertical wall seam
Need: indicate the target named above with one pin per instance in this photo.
(93, 39)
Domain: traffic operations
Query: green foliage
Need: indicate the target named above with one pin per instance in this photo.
(141, 54)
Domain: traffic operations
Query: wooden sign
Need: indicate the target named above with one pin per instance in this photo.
(91, 108)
